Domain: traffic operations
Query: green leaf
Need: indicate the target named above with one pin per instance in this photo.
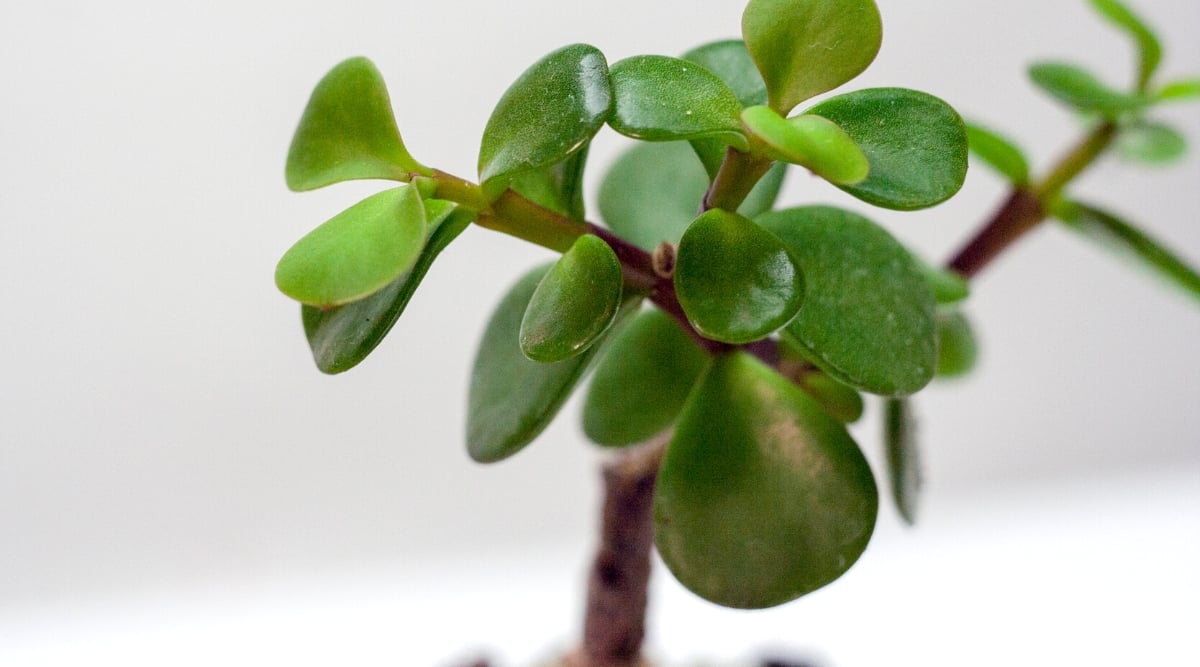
(998, 153)
(868, 312)
(916, 144)
(642, 380)
(810, 141)
(1080, 89)
(903, 457)
(558, 187)
(1151, 143)
(957, 349)
(762, 497)
(839, 401)
(663, 99)
(348, 132)
(736, 281)
(512, 399)
(948, 287)
(807, 47)
(551, 111)
(1183, 89)
(574, 304)
(342, 336)
(730, 61)
(1127, 241)
(1149, 49)
(652, 192)
(357, 252)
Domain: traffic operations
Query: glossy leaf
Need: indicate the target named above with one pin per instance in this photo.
(736, 281)
(948, 287)
(575, 302)
(663, 99)
(1080, 89)
(552, 110)
(1180, 90)
(868, 312)
(348, 132)
(998, 153)
(807, 47)
(957, 349)
(1128, 241)
(916, 144)
(762, 497)
(903, 457)
(730, 61)
(512, 399)
(652, 192)
(1151, 143)
(558, 187)
(1149, 49)
(342, 336)
(642, 380)
(810, 141)
(839, 401)
(357, 252)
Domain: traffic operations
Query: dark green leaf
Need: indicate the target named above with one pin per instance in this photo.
(558, 187)
(807, 47)
(813, 142)
(903, 457)
(1183, 89)
(551, 111)
(343, 336)
(1128, 241)
(868, 312)
(575, 302)
(1080, 89)
(348, 132)
(957, 349)
(736, 281)
(1149, 50)
(998, 153)
(730, 61)
(357, 252)
(1151, 143)
(762, 497)
(641, 381)
(839, 401)
(663, 99)
(916, 144)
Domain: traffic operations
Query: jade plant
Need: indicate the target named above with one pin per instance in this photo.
(731, 339)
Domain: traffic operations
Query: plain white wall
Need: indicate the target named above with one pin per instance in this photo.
(161, 421)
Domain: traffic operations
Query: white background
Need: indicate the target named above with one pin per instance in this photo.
(179, 485)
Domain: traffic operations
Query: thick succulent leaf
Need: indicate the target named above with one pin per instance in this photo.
(868, 312)
(807, 47)
(342, 336)
(998, 153)
(916, 144)
(948, 287)
(1130, 242)
(642, 380)
(348, 132)
(1149, 48)
(1151, 143)
(736, 281)
(1080, 89)
(652, 192)
(814, 142)
(1180, 90)
(659, 98)
(574, 304)
(957, 349)
(552, 110)
(903, 457)
(357, 252)
(839, 401)
(762, 497)
(558, 187)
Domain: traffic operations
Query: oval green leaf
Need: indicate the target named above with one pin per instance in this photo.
(1180, 90)
(948, 286)
(957, 349)
(1080, 89)
(839, 401)
(642, 380)
(552, 110)
(903, 457)
(1149, 48)
(998, 153)
(663, 99)
(348, 132)
(343, 336)
(762, 497)
(736, 281)
(868, 312)
(575, 302)
(810, 141)
(916, 144)
(1151, 143)
(807, 47)
(558, 187)
(730, 61)
(357, 252)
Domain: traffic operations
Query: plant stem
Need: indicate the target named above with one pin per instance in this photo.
(735, 179)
